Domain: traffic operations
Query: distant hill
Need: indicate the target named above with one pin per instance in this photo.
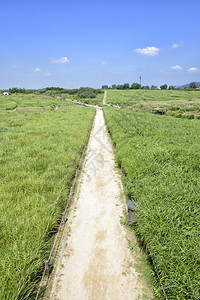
(187, 85)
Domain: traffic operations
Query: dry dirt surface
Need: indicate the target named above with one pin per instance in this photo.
(104, 97)
(96, 262)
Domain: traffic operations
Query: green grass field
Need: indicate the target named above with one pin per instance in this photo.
(178, 103)
(40, 147)
(39, 154)
(161, 158)
(31, 102)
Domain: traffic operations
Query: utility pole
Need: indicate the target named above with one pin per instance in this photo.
(140, 77)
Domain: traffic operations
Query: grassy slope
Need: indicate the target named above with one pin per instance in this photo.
(161, 158)
(174, 102)
(38, 157)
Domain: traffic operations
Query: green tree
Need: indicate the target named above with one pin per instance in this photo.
(135, 86)
(126, 86)
(171, 87)
(154, 87)
(163, 87)
(114, 86)
(120, 87)
(104, 87)
(193, 85)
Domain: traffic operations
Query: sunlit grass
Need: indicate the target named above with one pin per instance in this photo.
(161, 158)
(39, 153)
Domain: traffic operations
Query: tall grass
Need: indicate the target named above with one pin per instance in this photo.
(161, 158)
(39, 153)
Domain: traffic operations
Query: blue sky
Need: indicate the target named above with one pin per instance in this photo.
(91, 43)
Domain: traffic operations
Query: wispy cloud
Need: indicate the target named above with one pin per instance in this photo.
(47, 73)
(37, 70)
(177, 67)
(16, 66)
(152, 51)
(192, 69)
(175, 46)
(103, 63)
(62, 60)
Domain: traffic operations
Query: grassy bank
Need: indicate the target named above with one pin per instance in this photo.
(39, 154)
(160, 156)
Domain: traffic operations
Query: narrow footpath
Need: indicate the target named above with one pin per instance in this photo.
(96, 262)
(104, 97)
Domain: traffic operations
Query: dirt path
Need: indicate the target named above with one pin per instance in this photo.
(104, 97)
(97, 263)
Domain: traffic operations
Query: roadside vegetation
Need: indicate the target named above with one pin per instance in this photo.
(160, 157)
(39, 154)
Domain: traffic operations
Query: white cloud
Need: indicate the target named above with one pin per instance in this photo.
(103, 63)
(192, 69)
(37, 70)
(177, 67)
(62, 60)
(152, 51)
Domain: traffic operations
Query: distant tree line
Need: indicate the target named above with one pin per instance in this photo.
(83, 92)
(135, 86)
(87, 92)
(127, 86)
